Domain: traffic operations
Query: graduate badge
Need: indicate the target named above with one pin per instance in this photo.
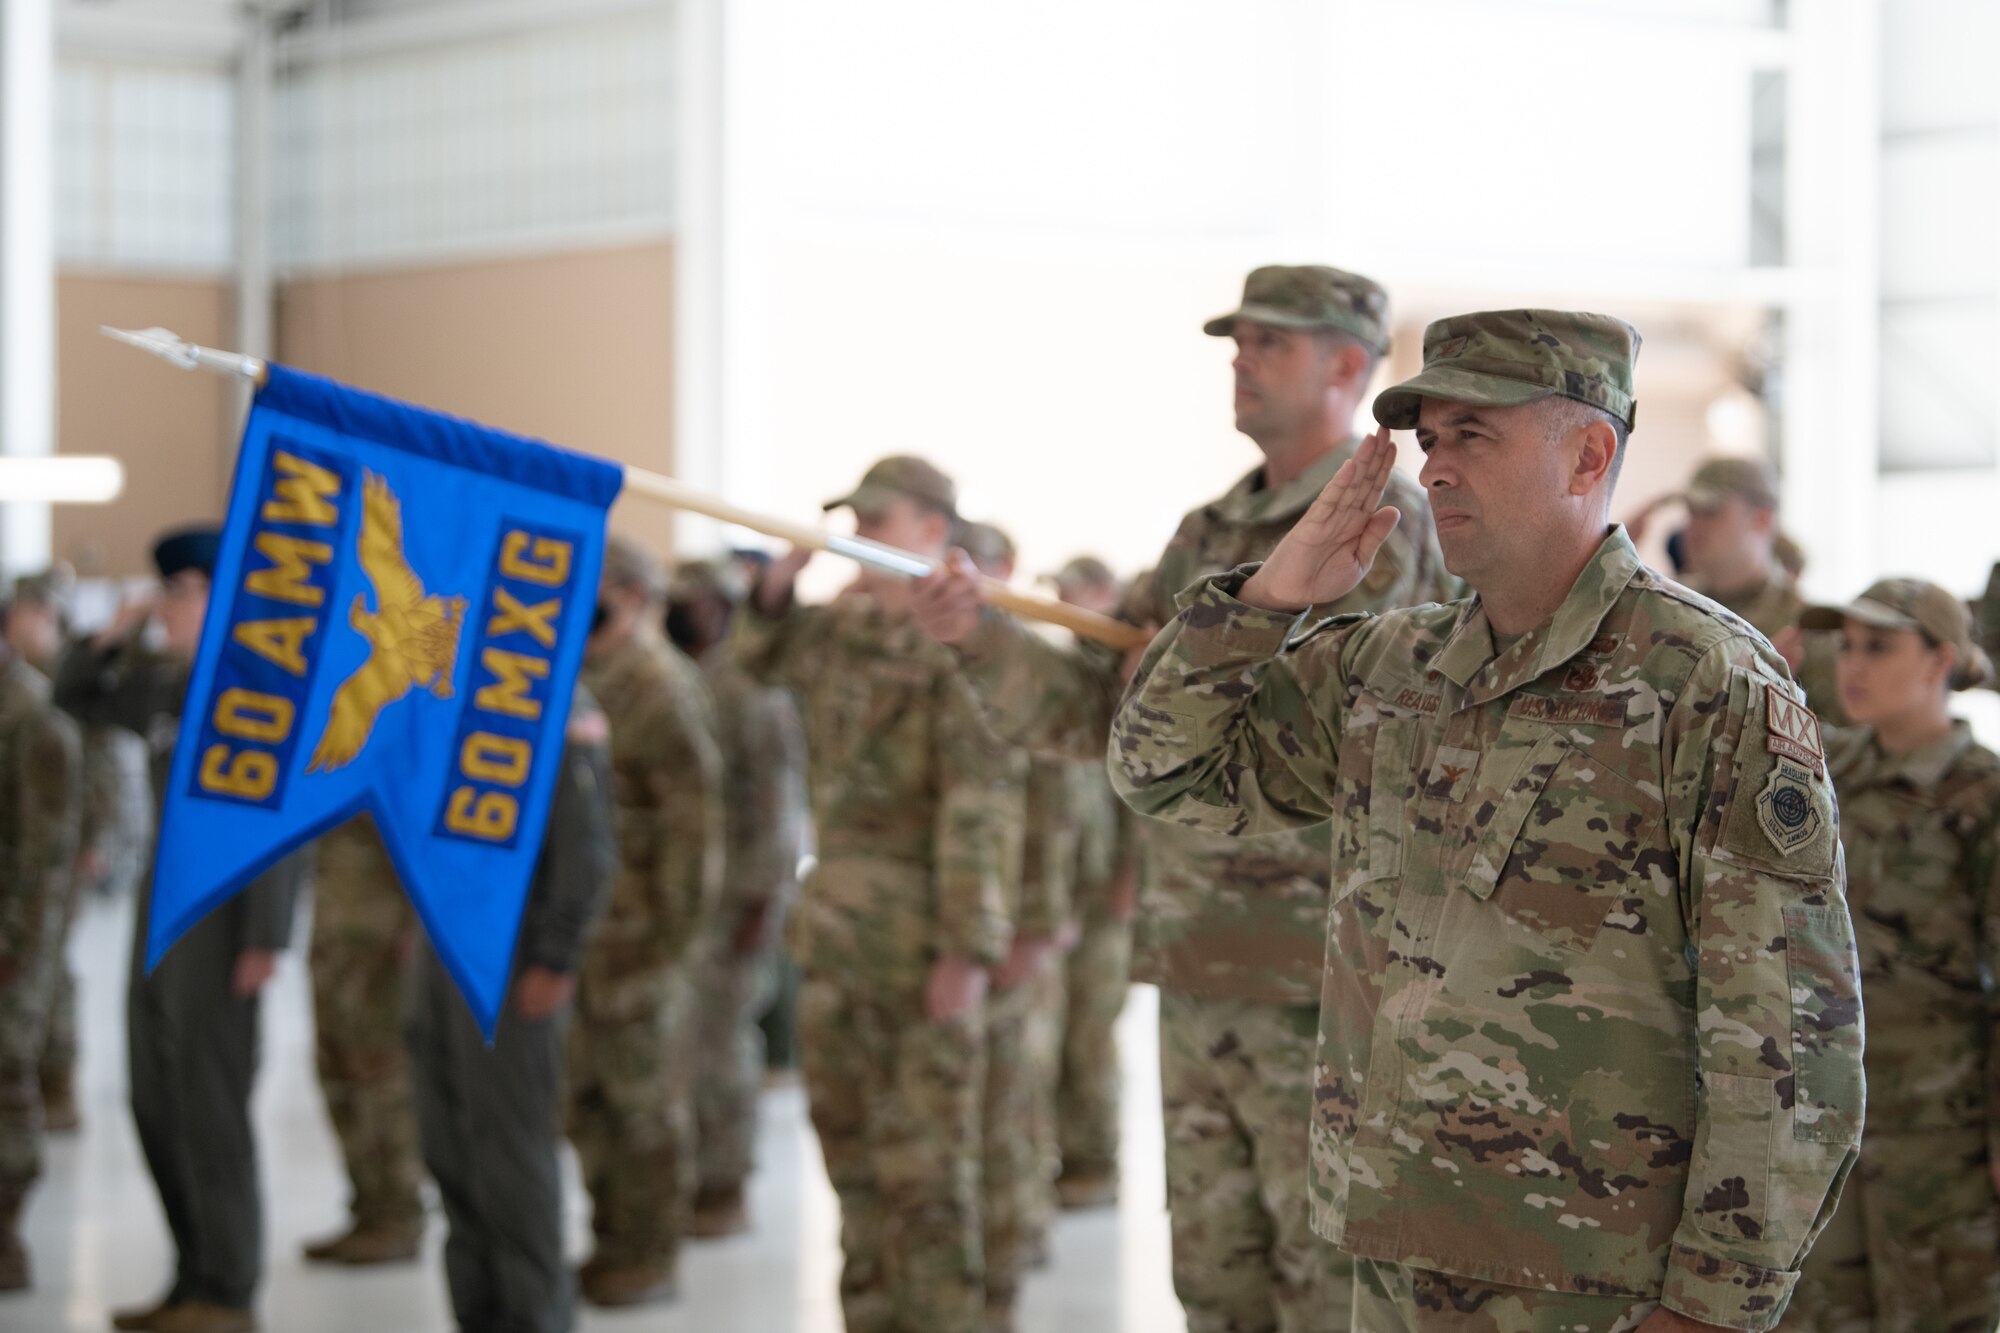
(1785, 808)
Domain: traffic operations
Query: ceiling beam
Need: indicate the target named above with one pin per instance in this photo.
(180, 32)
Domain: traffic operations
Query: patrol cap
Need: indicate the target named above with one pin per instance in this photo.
(986, 544)
(1719, 479)
(43, 589)
(632, 564)
(1912, 604)
(901, 477)
(1310, 296)
(1504, 358)
(1083, 571)
(196, 547)
(694, 579)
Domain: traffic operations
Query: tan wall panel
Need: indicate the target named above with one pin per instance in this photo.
(170, 427)
(575, 347)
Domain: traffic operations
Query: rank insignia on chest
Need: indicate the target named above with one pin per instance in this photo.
(1451, 774)
(1786, 810)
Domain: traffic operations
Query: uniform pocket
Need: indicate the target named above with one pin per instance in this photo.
(1827, 1089)
(1730, 1186)
(1565, 840)
(1391, 784)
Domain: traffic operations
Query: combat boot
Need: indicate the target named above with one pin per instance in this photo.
(15, 1272)
(142, 1318)
(719, 1212)
(628, 1284)
(59, 1110)
(363, 1244)
(201, 1317)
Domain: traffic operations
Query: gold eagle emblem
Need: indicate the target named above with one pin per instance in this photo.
(413, 637)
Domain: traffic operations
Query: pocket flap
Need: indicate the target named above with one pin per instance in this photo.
(1512, 788)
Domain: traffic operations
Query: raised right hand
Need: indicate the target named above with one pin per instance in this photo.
(1328, 552)
(131, 618)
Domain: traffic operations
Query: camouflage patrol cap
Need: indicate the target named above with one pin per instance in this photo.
(1083, 571)
(631, 564)
(1310, 296)
(1898, 604)
(1504, 358)
(694, 579)
(1912, 604)
(1716, 480)
(43, 589)
(905, 477)
(988, 545)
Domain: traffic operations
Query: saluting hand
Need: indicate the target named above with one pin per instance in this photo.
(1328, 552)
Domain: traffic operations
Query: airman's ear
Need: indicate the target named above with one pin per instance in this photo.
(1347, 366)
(1595, 449)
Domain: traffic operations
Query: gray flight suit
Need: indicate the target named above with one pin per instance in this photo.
(488, 1117)
(191, 1041)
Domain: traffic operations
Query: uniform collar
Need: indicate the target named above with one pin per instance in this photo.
(628, 657)
(1467, 658)
(1771, 599)
(1247, 502)
(1924, 767)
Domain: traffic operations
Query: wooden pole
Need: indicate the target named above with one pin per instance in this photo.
(164, 344)
(658, 486)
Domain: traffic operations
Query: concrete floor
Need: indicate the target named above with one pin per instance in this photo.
(99, 1243)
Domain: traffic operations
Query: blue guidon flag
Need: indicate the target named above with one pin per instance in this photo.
(398, 618)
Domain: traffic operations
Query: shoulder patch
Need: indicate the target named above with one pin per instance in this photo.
(1778, 810)
(1792, 731)
(1785, 807)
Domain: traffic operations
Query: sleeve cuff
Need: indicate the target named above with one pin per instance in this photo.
(1727, 1292)
(1210, 607)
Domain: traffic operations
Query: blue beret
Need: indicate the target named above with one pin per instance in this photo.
(190, 548)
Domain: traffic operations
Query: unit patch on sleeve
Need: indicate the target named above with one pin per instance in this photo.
(1786, 808)
(1793, 732)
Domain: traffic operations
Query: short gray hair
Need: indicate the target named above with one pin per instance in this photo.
(1560, 415)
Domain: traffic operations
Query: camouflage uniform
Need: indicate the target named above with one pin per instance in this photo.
(1232, 932)
(1591, 1026)
(487, 1112)
(40, 783)
(1773, 605)
(117, 827)
(1098, 973)
(763, 760)
(1017, 1121)
(911, 797)
(1986, 621)
(1916, 1241)
(117, 806)
(363, 934)
(631, 1051)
